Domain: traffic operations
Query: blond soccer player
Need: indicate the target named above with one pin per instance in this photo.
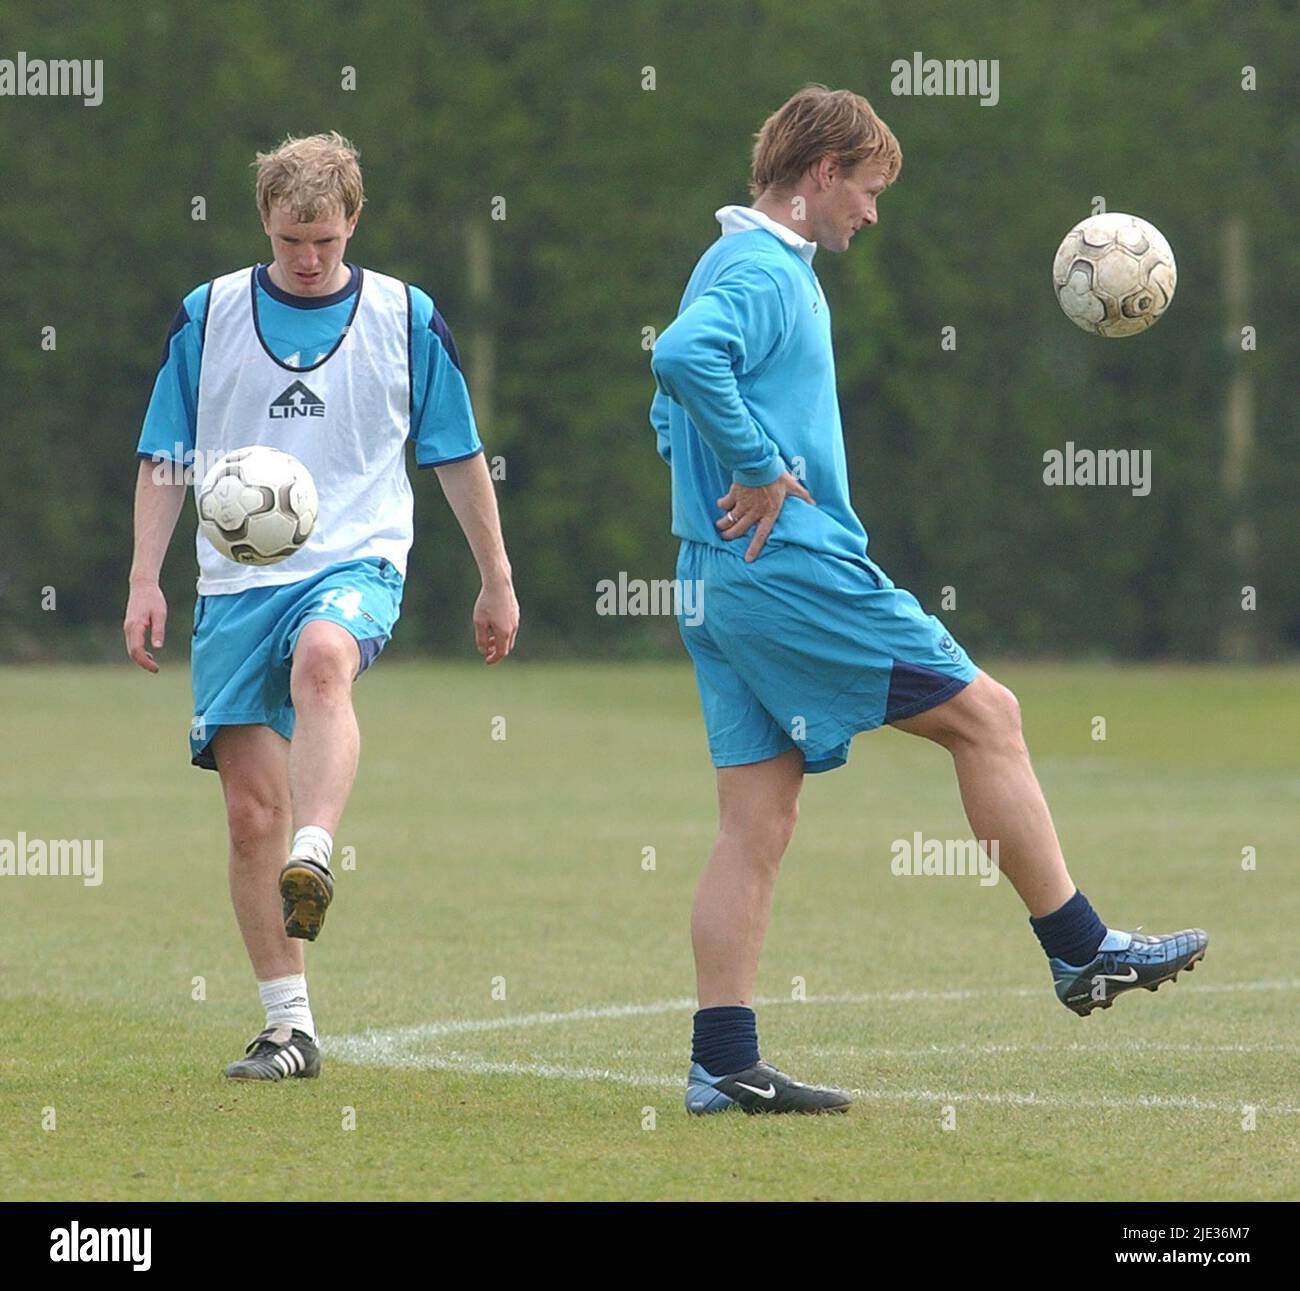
(342, 367)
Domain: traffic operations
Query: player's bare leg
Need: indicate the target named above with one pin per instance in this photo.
(1091, 964)
(758, 805)
(326, 742)
(980, 727)
(322, 766)
(253, 763)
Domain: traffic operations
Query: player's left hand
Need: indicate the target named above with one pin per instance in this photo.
(757, 509)
(496, 621)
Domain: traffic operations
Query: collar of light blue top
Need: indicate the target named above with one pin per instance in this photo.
(737, 219)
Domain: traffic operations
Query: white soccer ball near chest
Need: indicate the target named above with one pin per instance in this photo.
(257, 505)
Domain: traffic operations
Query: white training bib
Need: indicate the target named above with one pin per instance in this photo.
(346, 418)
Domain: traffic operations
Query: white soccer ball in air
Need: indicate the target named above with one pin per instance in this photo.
(257, 505)
(1114, 274)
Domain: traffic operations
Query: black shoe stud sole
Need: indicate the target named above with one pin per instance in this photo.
(306, 891)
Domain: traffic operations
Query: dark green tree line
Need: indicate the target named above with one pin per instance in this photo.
(612, 132)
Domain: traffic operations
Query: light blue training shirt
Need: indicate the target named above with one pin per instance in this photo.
(746, 390)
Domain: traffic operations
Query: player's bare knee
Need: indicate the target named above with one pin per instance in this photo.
(255, 818)
(998, 717)
(763, 834)
(1011, 710)
(323, 668)
(786, 822)
(778, 830)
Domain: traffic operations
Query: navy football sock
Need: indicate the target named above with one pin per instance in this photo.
(725, 1039)
(1072, 933)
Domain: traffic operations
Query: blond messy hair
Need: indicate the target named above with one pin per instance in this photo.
(312, 176)
(816, 123)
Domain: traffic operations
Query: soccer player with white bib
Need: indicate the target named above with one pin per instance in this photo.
(341, 367)
(804, 641)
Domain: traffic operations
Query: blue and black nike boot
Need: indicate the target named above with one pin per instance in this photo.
(1125, 961)
(758, 1089)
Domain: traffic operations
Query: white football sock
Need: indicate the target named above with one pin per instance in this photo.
(313, 843)
(285, 1001)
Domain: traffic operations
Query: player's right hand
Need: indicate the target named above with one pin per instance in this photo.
(146, 615)
(757, 509)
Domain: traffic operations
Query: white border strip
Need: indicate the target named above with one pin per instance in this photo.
(393, 1049)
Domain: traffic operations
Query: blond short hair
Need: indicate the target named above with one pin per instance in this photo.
(312, 176)
(816, 123)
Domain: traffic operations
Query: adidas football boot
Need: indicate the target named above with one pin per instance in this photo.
(278, 1053)
(306, 889)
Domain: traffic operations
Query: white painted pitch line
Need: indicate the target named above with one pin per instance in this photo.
(1175, 1102)
(473, 1065)
(1075, 1046)
(463, 1026)
(392, 1048)
(359, 1050)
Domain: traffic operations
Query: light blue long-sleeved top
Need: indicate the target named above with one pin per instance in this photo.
(746, 389)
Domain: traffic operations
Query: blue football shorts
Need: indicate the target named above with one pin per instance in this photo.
(243, 644)
(803, 650)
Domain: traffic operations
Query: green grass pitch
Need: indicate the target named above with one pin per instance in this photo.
(486, 866)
